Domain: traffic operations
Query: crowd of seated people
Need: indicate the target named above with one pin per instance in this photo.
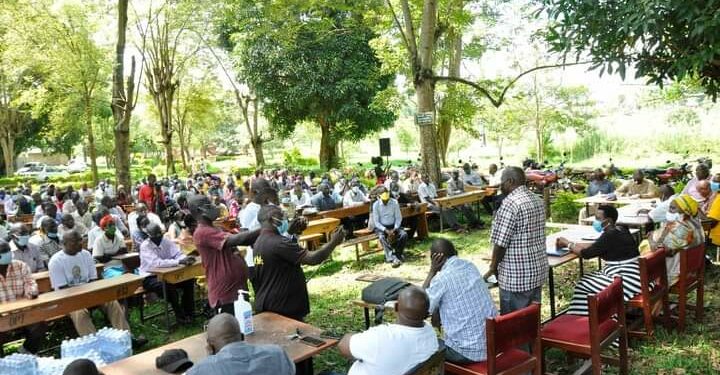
(72, 231)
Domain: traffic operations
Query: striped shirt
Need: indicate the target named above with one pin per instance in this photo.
(18, 283)
(519, 227)
(459, 292)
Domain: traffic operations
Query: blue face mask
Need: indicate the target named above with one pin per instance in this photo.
(52, 235)
(283, 227)
(597, 225)
(5, 258)
(715, 186)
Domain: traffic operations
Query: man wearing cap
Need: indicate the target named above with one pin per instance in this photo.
(387, 219)
(225, 269)
(263, 194)
(230, 355)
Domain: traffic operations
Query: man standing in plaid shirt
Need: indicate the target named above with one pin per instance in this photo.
(518, 236)
(16, 282)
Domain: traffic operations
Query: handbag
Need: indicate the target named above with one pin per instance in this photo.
(382, 291)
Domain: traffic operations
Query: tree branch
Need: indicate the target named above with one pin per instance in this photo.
(399, 26)
(501, 98)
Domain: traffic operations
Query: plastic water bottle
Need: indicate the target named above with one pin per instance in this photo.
(244, 314)
(114, 344)
(20, 364)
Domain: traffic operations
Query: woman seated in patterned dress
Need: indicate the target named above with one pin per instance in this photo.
(617, 247)
(682, 230)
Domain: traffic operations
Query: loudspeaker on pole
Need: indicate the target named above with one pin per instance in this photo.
(385, 147)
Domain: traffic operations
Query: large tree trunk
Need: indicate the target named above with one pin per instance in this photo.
(91, 141)
(259, 155)
(425, 90)
(328, 146)
(445, 125)
(8, 148)
(122, 102)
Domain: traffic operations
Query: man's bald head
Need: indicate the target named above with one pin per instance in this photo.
(412, 306)
(512, 178)
(703, 188)
(223, 329)
(444, 247)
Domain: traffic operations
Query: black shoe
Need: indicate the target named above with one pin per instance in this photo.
(139, 342)
(396, 263)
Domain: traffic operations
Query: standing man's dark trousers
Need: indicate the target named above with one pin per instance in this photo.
(34, 337)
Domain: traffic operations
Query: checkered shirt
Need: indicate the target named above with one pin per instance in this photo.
(519, 227)
(18, 283)
(460, 294)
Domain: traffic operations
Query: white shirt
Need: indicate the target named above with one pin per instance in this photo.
(132, 221)
(248, 220)
(78, 227)
(426, 191)
(658, 214)
(66, 270)
(354, 199)
(410, 347)
(105, 246)
(302, 201)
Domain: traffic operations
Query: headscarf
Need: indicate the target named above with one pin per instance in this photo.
(106, 220)
(686, 204)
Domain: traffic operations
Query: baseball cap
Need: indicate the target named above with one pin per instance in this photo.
(173, 361)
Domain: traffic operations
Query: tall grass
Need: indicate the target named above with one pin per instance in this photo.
(597, 142)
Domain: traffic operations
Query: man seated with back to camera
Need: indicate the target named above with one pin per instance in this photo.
(411, 339)
(460, 302)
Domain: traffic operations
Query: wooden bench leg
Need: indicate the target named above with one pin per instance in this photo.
(367, 317)
(357, 255)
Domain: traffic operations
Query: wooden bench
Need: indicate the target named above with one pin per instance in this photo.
(312, 241)
(362, 239)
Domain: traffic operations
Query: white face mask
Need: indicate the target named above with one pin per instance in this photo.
(673, 216)
(356, 189)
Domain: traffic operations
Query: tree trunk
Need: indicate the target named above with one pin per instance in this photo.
(183, 149)
(169, 157)
(122, 102)
(91, 141)
(445, 125)
(425, 89)
(328, 146)
(257, 147)
(8, 148)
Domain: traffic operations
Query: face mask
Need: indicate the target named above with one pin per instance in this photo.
(597, 225)
(156, 240)
(110, 232)
(283, 227)
(715, 186)
(673, 216)
(22, 240)
(5, 258)
(52, 235)
(356, 189)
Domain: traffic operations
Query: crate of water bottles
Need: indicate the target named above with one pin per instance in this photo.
(19, 364)
(111, 344)
(54, 366)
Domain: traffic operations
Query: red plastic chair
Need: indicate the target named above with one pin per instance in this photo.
(504, 335)
(692, 277)
(586, 336)
(653, 292)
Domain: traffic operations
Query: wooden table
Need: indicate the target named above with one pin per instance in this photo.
(603, 199)
(270, 328)
(468, 197)
(323, 226)
(43, 278)
(414, 210)
(578, 234)
(630, 217)
(25, 312)
(130, 261)
(176, 275)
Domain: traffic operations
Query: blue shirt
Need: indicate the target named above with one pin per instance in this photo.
(387, 216)
(602, 187)
(240, 358)
(459, 292)
(324, 203)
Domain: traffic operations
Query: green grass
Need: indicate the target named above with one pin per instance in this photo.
(332, 287)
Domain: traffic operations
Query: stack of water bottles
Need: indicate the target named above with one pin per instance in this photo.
(108, 345)
(19, 364)
(114, 344)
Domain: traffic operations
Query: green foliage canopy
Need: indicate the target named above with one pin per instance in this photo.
(664, 40)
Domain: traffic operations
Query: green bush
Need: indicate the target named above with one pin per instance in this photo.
(293, 158)
(564, 209)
